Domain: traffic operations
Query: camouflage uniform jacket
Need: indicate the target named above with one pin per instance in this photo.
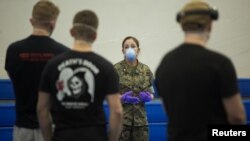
(134, 78)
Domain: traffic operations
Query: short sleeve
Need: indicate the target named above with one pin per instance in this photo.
(11, 60)
(228, 79)
(112, 81)
(151, 79)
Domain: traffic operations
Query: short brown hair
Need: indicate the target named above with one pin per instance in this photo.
(195, 22)
(133, 38)
(45, 11)
(85, 24)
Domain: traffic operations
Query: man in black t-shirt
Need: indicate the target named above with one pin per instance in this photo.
(198, 86)
(25, 61)
(76, 83)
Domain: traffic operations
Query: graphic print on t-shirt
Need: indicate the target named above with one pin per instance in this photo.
(76, 83)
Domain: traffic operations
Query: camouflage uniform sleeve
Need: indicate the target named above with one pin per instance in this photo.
(151, 78)
(118, 68)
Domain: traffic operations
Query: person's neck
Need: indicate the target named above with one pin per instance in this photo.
(196, 38)
(82, 46)
(134, 63)
(40, 32)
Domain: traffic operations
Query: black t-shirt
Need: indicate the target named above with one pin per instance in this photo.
(25, 61)
(192, 82)
(78, 83)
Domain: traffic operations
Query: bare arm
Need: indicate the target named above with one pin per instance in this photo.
(235, 109)
(44, 117)
(115, 120)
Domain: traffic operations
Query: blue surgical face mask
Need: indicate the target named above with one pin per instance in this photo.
(130, 54)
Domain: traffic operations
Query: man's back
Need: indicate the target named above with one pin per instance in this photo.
(25, 61)
(191, 81)
(78, 83)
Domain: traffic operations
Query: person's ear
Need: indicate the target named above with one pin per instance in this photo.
(72, 33)
(123, 50)
(94, 36)
(209, 28)
(53, 24)
(31, 21)
(138, 51)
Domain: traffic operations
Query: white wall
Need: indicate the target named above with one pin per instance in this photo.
(151, 21)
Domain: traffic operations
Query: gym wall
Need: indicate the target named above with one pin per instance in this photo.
(151, 21)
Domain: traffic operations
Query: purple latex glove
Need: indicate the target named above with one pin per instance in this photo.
(145, 96)
(128, 98)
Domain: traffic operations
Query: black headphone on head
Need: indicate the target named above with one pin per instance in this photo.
(212, 12)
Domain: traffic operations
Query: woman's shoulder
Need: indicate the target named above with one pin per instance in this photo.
(143, 66)
(119, 64)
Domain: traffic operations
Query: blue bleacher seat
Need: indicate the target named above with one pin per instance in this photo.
(247, 108)
(7, 112)
(158, 131)
(6, 90)
(244, 86)
(6, 133)
(156, 112)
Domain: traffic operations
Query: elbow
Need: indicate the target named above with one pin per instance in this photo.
(238, 119)
(118, 114)
(42, 113)
(39, 114)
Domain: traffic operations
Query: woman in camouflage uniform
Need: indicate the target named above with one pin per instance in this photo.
(136, 89)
